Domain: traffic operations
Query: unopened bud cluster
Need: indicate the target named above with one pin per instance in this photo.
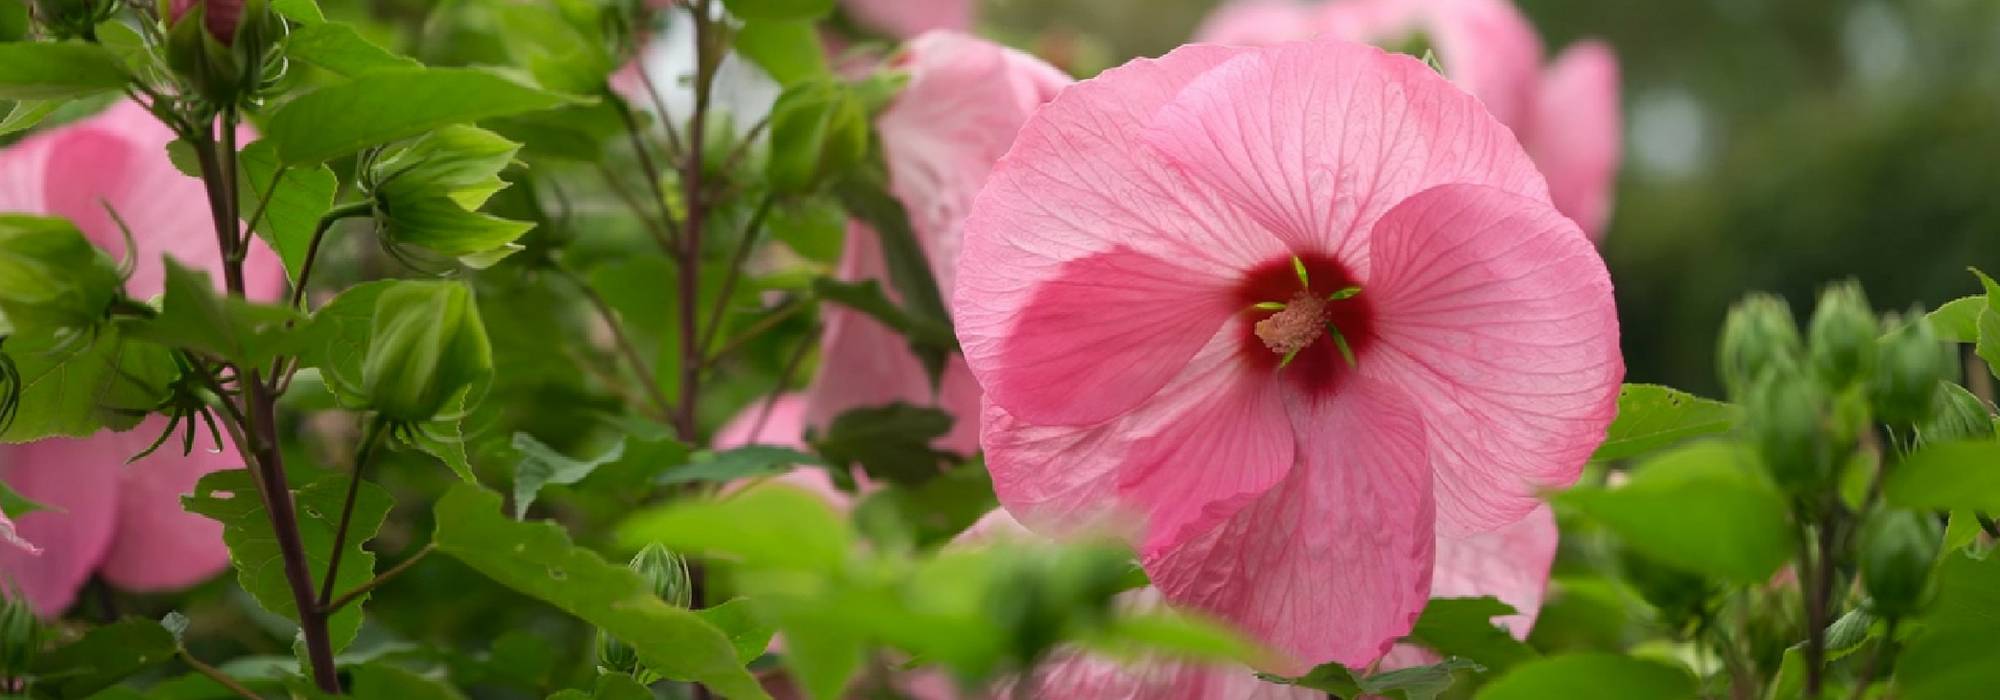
(666, 574)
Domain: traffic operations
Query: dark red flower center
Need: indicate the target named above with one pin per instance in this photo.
(1308, 321)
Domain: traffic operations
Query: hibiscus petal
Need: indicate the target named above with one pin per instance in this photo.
(158, 545)
(1334, 563)
(1496, 314)
(1491, 50)
(77, 479)
(783, 425)
(1510, 563)
(1076, 186)
(1206, 445)
(1574, 134)
(1317, 140)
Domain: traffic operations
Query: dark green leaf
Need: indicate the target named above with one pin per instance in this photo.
(868, 199)
(14, 505)
(1651, 417)
(303, 195)
(75, 386)
(1705, 508)
(748, 461)
(1464, 627)
(1952, 654)
(194, 317)
(770, 526)
(758, 10)
(337, 337)
(542, 465)
(230, 497)
(391, 105)
(1849, 632)
(537, 559)
(930, 513)
(338, 48)
(737, 619)
(867, 297)
(814, 228)
(789, 51)
(891, 443)
(1591, 676)
(1414, 683)
(103, 657)
(26, 114)
(577, 133)
(34, 70)
(380, 680)
(1946, 476)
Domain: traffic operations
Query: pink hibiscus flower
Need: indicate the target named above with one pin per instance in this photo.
(122, 521)
(1566, 116)
(965, 100)
(1117, 299)
(903, 19)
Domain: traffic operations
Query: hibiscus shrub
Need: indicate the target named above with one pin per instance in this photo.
(902, 364)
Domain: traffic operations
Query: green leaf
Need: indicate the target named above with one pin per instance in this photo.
(789, 51)
(819, 130)
(391, 105)
(868, 199)
(748, 461)
(302, 11)
(1705, 508)
(380, 680)
(14, 505)
(34, 70)
(444, 439)
(194, 317)
(542, 465)
(1952, 655)
(867, 297)
(1849, 632)
(1591, 676)
(771, 526)
(577, 133)
(1651, 417)
(26, 114)
(75, 386)
(1414, 683)
(338, 48)
(815, 228)
(738, 619)
(891, 443)
(1464, 627)
(609, 686)
(778, 10)
(537, 559)
(230, 497)
(1173, 635)
(1989, 340)
(1958, 319)
(930, 513)
(1947, 476)
(337, 337)
(103, 657)
(303, 195)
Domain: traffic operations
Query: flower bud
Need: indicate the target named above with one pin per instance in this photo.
(21, 637)
(51, 277)
(1842, 336)
(67, 19)
(1786, 414)
(1758, 335)
(1956, 415)
(1911, 363)
(667, 574)
(224, 51)
(1897, 550)
(427, 349)
(221, 17)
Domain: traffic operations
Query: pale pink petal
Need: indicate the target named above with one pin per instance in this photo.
(1211, 441)
(12, 537)
(1496, 314)
(903, 19)
(1317, 140)
(1258, 23)
(1511, 563)
(1574, 133)
(783, 425)
(1334, 563)
(1080, 207)
(1488, 48)
(158, 545)
(78, 480)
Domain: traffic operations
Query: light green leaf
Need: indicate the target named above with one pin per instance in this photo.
(779, 10)
(1173, 635)
(338, 48)
(772, 526)
(1651, 417)
(14, 505)
(1989, 340)
(1414, 683)
(1946, 476)
(75, 386)
(38, 70)
(26, 114)
(542, 465)
(303, 195)
(444, 439)
(443, 225)
(230, 497)
(337, 337)
(1705, 508)
(1952, 655)
(789, 51)
(301, 11)
(929, 514)
(738, 619)
(819, 131)
(194, 317)
(1464, 627)
(1958, 319)
(103, 657)
(537, 559)
(1591, 676)
(746, 462)
(390, 105)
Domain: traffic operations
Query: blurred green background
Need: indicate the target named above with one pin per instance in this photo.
(1769, 145)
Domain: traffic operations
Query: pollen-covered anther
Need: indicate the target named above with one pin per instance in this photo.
(1293, 328)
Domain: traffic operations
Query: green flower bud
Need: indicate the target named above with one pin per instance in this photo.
(223, 50)
(21, 637)
(616, 656)
(69, 19)
(51, 277)
(1897, 550)
(1956, 415)
(1759, 334)
(1786, 415)
(428, 348)
(1912, 361)
(667, 574)
(1842, 336)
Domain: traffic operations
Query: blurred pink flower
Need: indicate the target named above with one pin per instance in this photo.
(1511, 563)
(221, 16)
(1566, 117)
(902, 19)
(965, 100)
(122, 521)
(1111, 301)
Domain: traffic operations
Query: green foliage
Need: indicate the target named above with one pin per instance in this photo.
(537, 559)
(427, 352)
(789, 51)
(927, 514)
(778, 10)
(542, 465)
(76, 385)
(891, 443)
(772, 527)
(1463, 627)
(103, 657)
(390, 105)
(25, 114)
(746, 462)
(193, 317)
(1952, 654)
(429, 191)
(819, 131)
(1948, 476)
(1591, 675)
(1704, 508)
(341, 50)
(1651, 417)
(51, 277)
(866, 197)
(292, 200)
(57, 70)
(337, 338)
(1413, 683)
(380, 680)
(231, 497)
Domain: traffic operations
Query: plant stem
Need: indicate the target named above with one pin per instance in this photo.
(766, 323)
(336, 604)
(623, 340)
(260, 445)
(371, 438)
(735, 271)
(1819, 603)
(697, 212)
(637, 136)
(1874, 662)
(326, 222)
(215, 674)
